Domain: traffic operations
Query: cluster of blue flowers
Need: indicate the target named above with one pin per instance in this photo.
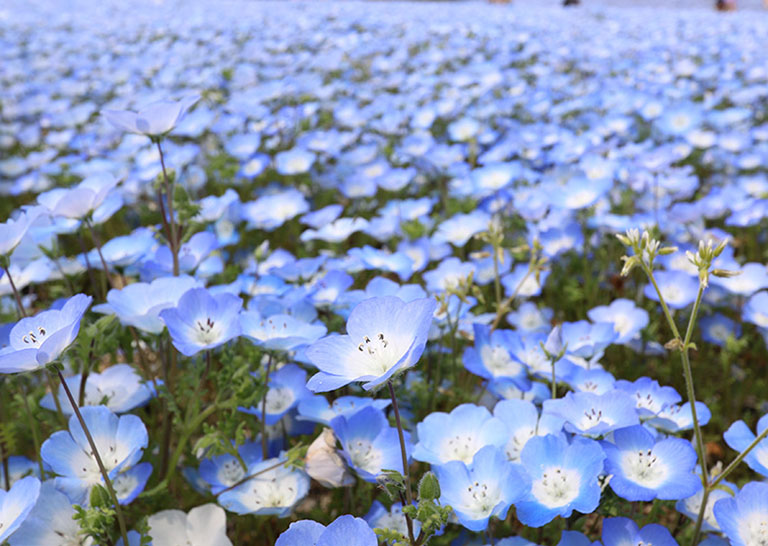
(354, 271)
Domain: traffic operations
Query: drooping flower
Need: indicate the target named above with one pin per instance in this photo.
(287, 387)
(644, 469)
(564, 478)
(486, 487)
(324, 463)
(39, 340)
(204, 525)
(384, 336)
(202, 321)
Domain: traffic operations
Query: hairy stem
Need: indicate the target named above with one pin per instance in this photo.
(16, 296)
(264, 442)
(173, 242)
(404, 454)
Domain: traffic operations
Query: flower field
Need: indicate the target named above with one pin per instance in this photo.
(382, 273)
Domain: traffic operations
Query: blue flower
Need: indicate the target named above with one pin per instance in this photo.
(129, 483)
(586, 340)
(18, 467)
(739, 437)
(523, 423)
(718, 328)
(118, 387)
(202, 321)
(287, 387)
(385, 336)
(272, 489)
(690, 506)
(460, 228)
(486, 487)
(678, 288)
(564, 478)
(279, 332)
(676, 418)
(379, 517)
(491, 358)
(347, 530)
(50, 521)
(39, 340)
(623, 531)
(458, 435)
(644, 469)
(139, 304)
(119, 440)
(205, 525)
(744, 518)
(294, 161)
(223, 471)
(272, 211)
(12, 231)
(627, 319)
(316, 408)
(650, 397)
(16, 504)
(594, 414)
(153, 120)
(368, 443)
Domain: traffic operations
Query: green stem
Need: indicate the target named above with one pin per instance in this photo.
(404, 455)
(504, 307)
(32, 424)
(264, 442)
(17, 297)
(554, 380)
(173, 243)
(94, 449)
(728, 469)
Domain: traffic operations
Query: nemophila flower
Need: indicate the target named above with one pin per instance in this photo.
(279, 332)
(129, 483)
(139, 304)
(273, 210)
(80, 200)
(690, 506)
(287, 387)
(574, 538)
(523, 422)
(463, 129)
(486, 487)
(756, 309)
(320, 217)
(332, 287)
(595, 380)
(204, 525)
(122, 251)
(379, 517)
(644, 469)
(585, 339)
(650, 397)
(369, 444)
(523, 284)
(295, 161)
(563, 476)
(119, 387)
(119, 440)
(744, 518)
(153, 120)
(272, 489)
(50, 521)
(579, 193)
(18, 467)
(718, 328)
(39, 340)
(528, 317)
(12, 231)
(594, 414)
(490, 358)
(223, 471)
(383, 260)
(458, 435)
(202, 321)
(675, 418)
(385, 336)
(16, 504)
(527, 349)
(460, 228)
(678, 288)
(624, 531)
(191, 255)
(347, 530)
(753, 277)
(627, 319)
(448, 274)
(739, 437)
(38, 271)
(316, 408)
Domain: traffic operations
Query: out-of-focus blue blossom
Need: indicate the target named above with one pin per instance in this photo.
(742, 518)
(287, 387)
(347, 530)
(621, 531)
(739, 437)
(678, 288)
(273, 210)
(16, 504)
(153, 120)
(316, 408)
(491, 358)
(626, 317)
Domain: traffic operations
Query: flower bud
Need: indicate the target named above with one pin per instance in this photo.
(429, 487)
(324, 463)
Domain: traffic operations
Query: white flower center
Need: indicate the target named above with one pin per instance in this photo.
(644, 468)
(35, 337)
(279, 399)
(498, 361)
(275, 491)
(755, 529)
(557, 487)
(380, 353)
(591, 418)
(206, 330)
(231, 472)
(461, 448)
(480, 498)
(364, 456)
(622, 325)
(516, 444)
(124, 484)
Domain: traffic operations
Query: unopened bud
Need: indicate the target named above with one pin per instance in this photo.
(324, 464)
(725, 273)
(429, 487)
